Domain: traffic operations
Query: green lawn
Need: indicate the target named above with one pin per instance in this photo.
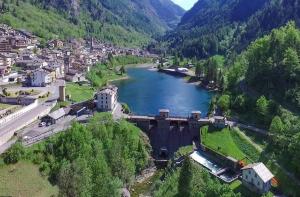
(222, 142)
(79, 93)
(24, 179)
(238, 187)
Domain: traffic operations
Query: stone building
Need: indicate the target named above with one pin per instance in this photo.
(107, 98)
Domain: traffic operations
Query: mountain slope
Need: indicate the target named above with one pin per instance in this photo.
(132, 22)
(218, 26)
(168, 11)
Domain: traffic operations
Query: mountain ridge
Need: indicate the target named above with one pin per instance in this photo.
(227, 27)
(125, 22)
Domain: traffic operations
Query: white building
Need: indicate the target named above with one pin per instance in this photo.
(257, 177)
(107, 98)
(40, 78)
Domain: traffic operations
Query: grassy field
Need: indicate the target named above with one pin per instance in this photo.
(101, 74)
(24, 179)
(231, 143)
(222, 142)
(79, 93)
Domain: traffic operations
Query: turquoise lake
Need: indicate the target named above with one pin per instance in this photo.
(148, 91)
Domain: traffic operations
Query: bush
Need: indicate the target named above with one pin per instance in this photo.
(126, 108)
(14, 154)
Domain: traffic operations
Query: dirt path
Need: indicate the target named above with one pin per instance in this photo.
(289, 174)
(258, 148)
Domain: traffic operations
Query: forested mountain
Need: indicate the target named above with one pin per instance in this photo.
(119, 21)
(218, 26)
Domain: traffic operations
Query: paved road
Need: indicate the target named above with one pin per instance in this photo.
(26, 118)
(21, 122)
(243, 126)
(37, 134)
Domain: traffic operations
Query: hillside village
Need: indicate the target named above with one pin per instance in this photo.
(23, 59)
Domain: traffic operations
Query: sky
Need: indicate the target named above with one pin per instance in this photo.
(185, 4)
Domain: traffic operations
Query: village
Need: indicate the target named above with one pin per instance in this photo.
(33, 75)
(33, 79)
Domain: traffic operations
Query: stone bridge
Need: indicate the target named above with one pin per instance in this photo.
(167, 134)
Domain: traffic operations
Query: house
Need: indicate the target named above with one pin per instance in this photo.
(4, 70)
(6, 59)
(40, 78)
(53, 117)
(52, 71)
(257, 177)
(75, 77)
(220, 122)
(107, 98)
(5, 46)
(56, 43)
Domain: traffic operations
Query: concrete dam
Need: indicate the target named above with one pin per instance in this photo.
(167, 134)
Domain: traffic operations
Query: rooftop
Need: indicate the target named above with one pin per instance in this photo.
(261, 170)
(111, 89)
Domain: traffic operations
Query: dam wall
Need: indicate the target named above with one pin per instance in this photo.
(167, 134)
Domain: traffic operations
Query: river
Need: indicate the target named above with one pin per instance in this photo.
(148, 91)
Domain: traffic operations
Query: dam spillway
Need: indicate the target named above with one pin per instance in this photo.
(167, 134)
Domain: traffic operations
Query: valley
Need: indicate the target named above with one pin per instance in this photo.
(144, 98)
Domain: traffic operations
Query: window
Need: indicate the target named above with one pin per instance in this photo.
(246, 176)
(255, 175)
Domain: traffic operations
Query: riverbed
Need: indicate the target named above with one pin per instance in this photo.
(146, 91)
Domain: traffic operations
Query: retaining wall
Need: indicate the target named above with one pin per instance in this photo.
(18, 113)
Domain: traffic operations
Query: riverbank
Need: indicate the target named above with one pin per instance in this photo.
(145, 65)
(191, 79)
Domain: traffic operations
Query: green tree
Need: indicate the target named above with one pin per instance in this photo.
(294, 151)
(224, 102)
(185, 178)
(239, 103)
(277, 125)
(75, 179)
(122, 70)
(14, 154)
(176, 61)
(262, 106)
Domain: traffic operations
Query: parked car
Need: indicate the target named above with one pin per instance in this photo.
(26, 137)
(42, 124)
